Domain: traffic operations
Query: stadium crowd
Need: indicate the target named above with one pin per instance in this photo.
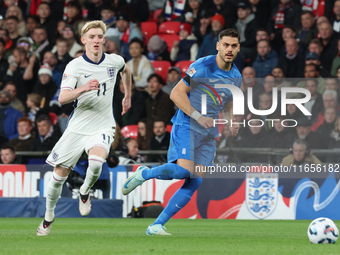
(284, 43)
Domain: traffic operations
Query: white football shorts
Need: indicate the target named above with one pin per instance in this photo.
(71, 146)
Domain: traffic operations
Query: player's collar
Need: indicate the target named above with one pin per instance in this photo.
(90, 61)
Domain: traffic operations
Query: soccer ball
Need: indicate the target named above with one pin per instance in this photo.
(323, 230)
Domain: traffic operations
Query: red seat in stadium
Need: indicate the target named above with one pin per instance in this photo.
(169, 27)
(161, 68)
(168, 128)
(169, 40)
(130, 131)
(149, 28)
(184, 66)
(53, 117)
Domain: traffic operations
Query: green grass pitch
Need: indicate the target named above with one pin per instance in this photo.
(127, 236)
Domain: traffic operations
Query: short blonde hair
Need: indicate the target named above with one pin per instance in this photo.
(35, 98)
(93, 24)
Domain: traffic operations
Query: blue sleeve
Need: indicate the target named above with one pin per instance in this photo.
(196, 70)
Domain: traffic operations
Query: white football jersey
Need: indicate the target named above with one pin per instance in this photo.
(93, 109)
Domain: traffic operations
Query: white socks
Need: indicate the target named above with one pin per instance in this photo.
(92, 173)
(54, 189)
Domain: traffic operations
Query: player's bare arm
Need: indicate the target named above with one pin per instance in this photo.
(179, 95)
(127, 83)
(234, 127)
(67, 96)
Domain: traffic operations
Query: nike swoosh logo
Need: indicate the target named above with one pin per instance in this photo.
(178, 206)
(125, 185)
(213, 80)
(86, 76)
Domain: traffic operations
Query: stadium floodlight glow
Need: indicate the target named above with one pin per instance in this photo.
(238, 100)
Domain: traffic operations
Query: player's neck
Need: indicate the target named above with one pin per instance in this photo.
(94, 58)
(223, 65)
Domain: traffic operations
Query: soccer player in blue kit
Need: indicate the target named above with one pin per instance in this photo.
(192, 144)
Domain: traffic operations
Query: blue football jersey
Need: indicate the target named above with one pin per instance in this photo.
(204, 74)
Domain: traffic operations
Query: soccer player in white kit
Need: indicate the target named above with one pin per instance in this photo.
(89, 81)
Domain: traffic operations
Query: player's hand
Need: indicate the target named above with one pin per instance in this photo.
(234, 128)
(126, 104)
(206, 122)
(91, 85)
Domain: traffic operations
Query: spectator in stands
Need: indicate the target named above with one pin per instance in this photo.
(317, 47)
(277, 72)
(137, 110)
(95, 8)
(281, 137)
(33, 104)
(315, 104)
(261, 34)
(266, 60)
(333, 84)
(47, 135)
(308, 30)
(336, 60)
(126, 31)
(23, 72)
(158, 104)
(16, 11)
(246, 26)
(59, 31)
(12, 25)
(226, 141)
(300, 155)
(305, 133)
(3, 60)
(27, 44)
(208, 46)
(312, 72)
(25, 139)
(107, 14)
(157, 49)
(292, 63)
(143, 137)
(8, 155)
(329, 100)
(48, 90)
(335, 21)
(45, 20)
(173, 77)
(51, 60)
(62, 55)
(226, 9)
(254, 137)
(111, 45)
(140, 65)
(9, 44)
(32, 22)
(328, 39)
(285, 13)
(8, 116)
(129, 153)
(328, 125)
(41, 44)
(313, 58)
(72, 45)
(269, 82)
(289, 32)
(292, 112)
(16, 103)
(262, 12)
(159, 141)
(186, 48)
(204, 26)
(74, 14)
(334, 142)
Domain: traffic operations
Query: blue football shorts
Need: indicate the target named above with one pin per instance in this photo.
(188, 144)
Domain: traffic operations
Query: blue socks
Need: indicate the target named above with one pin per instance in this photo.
(179, 199)
(167, 171)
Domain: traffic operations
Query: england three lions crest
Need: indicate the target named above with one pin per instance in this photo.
(261, 193)
(111, 72)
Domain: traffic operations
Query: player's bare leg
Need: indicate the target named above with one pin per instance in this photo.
(97, 156)
(54, 189)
